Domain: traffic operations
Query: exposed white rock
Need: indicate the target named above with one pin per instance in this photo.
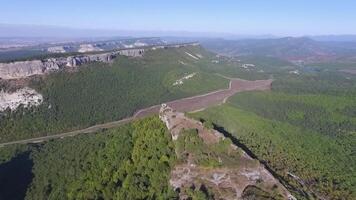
(136, 44)
(139, 44)
(57, 49)
(157, 47)
(26, 96)
(20, 69)
(168, 115)
(192, 56)
(23, 69)
(294, 72)
(199, 55)
(181, 62)
(246, 66)
(132, 52)
(181, 80)
(88, 48)
(252, 175)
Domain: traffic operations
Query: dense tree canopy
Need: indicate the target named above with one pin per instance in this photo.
(131, 162)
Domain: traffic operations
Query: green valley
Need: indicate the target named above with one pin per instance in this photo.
(99, 92)
(308, 138)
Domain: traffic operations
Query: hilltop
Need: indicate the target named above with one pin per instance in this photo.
(210, 163)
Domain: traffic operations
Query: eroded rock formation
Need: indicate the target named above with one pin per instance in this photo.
(26, 96)
(132, 52)
(234, 171)
(88, 48)
(22, 69)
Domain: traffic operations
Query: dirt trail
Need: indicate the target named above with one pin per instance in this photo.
(213, 98)
(194, 103)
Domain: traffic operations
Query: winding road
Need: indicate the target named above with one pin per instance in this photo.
(188, 104)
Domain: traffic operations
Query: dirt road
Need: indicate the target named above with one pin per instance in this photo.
(213, 98)
(183, 105)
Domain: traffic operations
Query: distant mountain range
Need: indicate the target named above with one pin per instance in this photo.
(308, 48)
(44, 31)
(47, 31)
(288, 48)
(334, 38)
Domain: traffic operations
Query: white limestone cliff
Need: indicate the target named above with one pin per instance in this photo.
(26, 96)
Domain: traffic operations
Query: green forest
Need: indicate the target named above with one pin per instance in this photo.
(99, 92)
(305, 129)
(129, 162)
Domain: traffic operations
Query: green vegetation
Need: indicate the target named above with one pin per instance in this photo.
(24, 54)
(263, 69)
(253, 192)
(130, 162)
(201, 193)
(190, 146)
(306, 135)
(15, 172)
(329, 82)
(100, 92)
(325, 114)
(6, 154)
(304, 129)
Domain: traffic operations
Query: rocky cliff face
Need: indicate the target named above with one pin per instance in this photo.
(132, 52)
(26, 96)
(22, 69)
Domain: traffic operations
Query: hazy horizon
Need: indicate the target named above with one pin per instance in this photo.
(273, 18)
(53, 31)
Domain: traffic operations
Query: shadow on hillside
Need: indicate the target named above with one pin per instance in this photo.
(280, 178)
(15, 177)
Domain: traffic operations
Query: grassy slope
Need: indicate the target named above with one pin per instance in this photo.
(101, 92)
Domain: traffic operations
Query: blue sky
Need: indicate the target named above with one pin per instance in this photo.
(278, 17)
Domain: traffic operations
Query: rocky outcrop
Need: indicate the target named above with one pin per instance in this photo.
(26, 96)
(56, 49)
(88, 48)
(23, 69)
(20, 69)
(132, 52)
(74, 61)
(234, 170)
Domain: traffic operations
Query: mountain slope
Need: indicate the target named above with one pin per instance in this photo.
(101, 92)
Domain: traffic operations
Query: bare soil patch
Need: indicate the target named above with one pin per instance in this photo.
(213, 98)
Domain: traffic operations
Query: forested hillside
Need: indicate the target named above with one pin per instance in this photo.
(305, 129)
(99, 92)
(130, 162)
